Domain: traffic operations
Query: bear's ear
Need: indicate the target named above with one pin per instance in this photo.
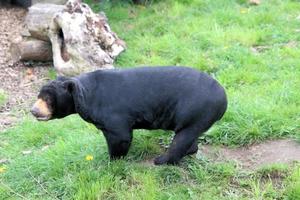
(69, 85)
(79, 94)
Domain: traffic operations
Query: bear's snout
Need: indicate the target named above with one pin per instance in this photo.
(40, 110)
(34, 111)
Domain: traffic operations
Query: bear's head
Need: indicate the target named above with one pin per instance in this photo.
(55, 100)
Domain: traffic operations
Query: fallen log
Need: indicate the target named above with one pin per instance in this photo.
(31, 49)
(81, 40)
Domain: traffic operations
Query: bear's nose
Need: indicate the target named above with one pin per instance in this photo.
(34, 111)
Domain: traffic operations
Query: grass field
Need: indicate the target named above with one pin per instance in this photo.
(252, 50)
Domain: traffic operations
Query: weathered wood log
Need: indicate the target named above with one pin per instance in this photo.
(61, 2)
(27, 3)
(81, 40)
(39, 18)
(31, 49)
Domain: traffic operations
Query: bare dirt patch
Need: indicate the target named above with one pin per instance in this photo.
(283, 151)
(19, 81)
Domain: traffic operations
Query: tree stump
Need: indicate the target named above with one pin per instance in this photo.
(81, 40)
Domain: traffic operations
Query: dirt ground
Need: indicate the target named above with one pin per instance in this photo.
(257, 155)
(19, 81)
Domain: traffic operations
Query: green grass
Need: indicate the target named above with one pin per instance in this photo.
(52, 74)
(3, 97)
(252, 50)
(220, 37)
(57, 168)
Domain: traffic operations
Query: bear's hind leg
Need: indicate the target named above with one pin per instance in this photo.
(182, 142)
(193, 149)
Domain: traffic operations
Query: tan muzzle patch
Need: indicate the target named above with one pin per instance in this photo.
(41, 110)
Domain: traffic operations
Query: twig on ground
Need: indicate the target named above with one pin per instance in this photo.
(38, 182)
(10, 189)
(34, 82)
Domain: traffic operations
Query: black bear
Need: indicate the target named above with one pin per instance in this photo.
(118, 101)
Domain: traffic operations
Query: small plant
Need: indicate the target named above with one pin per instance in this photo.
(3, 97)
(275, 171)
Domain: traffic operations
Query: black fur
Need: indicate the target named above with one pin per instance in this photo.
(117, 101)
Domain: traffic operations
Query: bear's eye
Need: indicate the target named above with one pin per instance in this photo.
(47, 99)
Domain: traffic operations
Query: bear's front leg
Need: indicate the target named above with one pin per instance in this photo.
(118, 142)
